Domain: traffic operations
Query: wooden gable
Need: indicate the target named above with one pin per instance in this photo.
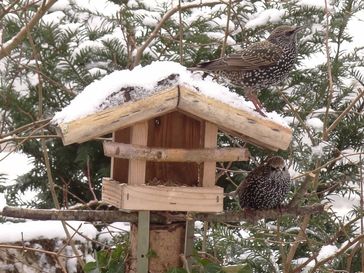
(250, 127)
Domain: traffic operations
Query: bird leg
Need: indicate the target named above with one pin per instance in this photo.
(252, 96)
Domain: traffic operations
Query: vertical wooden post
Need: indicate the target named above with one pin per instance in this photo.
(137, 170)
(188, 251)
(209, 167)
(139, 135)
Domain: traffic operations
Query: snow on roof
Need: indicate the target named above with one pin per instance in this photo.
(145, 81)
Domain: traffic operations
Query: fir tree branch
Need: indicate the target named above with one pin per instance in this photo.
(329, 73)
(229, 8)
(166, 16)
(36, 250)
(297, 115)
(12, 139)
(337, 253)
(180, 33)
(296, 243)
(319, 168)
(343, 114)
(26, 127)
(45, 150)
(7, 47)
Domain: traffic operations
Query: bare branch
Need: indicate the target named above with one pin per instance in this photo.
(109, 216)
(36, 250)
(6, 48)
(329, 73)
(343, 114)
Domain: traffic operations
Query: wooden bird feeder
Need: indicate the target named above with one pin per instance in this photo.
(163, 158)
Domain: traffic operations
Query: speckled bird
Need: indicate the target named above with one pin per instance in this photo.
(259, 65)
(266, 186)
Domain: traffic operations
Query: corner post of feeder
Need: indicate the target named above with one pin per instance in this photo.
(209, 167)
(137, 170)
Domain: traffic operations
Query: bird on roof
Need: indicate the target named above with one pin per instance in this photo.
(266, 186)
(259, 65)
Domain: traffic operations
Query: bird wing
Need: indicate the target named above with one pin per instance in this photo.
(255, 56)
(252, 178)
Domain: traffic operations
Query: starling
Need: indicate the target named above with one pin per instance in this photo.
(259, 65)
(266, 186)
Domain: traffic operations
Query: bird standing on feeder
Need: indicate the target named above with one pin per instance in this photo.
(260, 65)
(266, 186)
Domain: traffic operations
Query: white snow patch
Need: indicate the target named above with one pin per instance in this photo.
(60, 5)
(319, 150)
(326, 251)
(87, 45)
(244, 234)
(264, 17)
(291, 120)
(14, 164)
(300, 261)
(2, 201)
(355, 29)
(105, 7)
(53, 17)
(198, 224)
(311, 3)
(316, 124)
(313, 60)
(112, 230)
(94, 71)
(220, 37)
(146, 79)
(342, 205)
(71, 263)
(16, 232)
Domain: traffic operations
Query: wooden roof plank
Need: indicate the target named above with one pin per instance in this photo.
(119, 117)
(257, 130)
(252, 128)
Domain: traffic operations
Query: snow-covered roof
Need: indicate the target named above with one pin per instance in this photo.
(121, 89)
(147, 80)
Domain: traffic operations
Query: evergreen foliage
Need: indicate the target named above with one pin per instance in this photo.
(73, 46)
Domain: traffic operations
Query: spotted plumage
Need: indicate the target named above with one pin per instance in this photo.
(266, 186)
(260, 64)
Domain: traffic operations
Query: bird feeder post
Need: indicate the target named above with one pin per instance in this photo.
(209, 167)
(137, 170)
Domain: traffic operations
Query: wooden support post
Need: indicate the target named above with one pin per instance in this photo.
(143, 241)
(139, 136)
(209, 167)
(137, 170)
(188, 251)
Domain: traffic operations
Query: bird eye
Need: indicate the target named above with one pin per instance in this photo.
(289, 33)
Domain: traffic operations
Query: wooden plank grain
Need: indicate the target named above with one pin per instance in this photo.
(255, 129)
(163, 198)
(137, 167)
(209, 166)
(130, 151)
(119, 117)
